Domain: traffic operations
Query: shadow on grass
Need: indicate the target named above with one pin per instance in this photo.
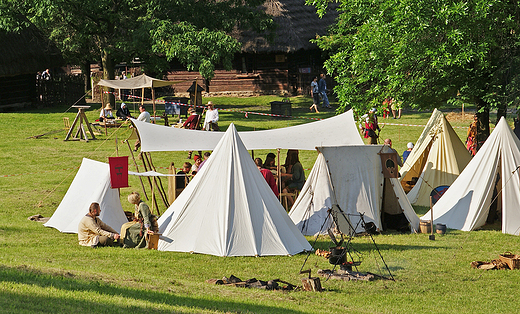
(23, 300)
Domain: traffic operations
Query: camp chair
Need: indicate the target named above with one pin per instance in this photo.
(283, 199)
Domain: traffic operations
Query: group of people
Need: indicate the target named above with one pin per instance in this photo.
(319, 93)
(93, 232)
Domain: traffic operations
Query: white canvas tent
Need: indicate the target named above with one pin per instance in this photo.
(229, 210)
(91, 184)
(157, 138)
(437, 159)
(350, 176)
(465, 205)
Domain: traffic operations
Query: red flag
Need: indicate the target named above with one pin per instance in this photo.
(118, 171)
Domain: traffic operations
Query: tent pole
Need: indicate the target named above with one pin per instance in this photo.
(160, 187)
(146, 169)
(137, 167)
(142, 96)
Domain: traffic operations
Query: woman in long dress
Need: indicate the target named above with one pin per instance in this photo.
(134, 233)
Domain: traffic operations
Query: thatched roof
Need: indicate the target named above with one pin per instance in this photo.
(297, 23)
(27, 52)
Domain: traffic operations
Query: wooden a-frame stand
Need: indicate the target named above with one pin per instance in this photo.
(82, 118)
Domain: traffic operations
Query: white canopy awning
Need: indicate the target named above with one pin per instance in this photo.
(336, 131)
(137, 82)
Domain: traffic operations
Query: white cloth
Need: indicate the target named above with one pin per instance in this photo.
(144, 116)
(211, 117)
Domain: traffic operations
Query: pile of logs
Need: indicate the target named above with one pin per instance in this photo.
(345, 275)
(275, 284)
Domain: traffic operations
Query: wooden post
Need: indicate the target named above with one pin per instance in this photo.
(153, 104)
(171, 184)
(432, 236)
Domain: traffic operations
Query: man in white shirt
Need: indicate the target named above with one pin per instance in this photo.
(93, 232)
(145, 117)
(211, 119)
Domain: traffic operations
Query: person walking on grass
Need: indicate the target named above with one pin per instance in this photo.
(315, 95)
(322, 89)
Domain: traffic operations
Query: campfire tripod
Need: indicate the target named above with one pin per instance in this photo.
(351, 233)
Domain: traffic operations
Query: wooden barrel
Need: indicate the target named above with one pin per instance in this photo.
(425, 226)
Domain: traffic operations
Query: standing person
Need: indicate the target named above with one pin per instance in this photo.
(395, 106)
(407, 152)
(315, 94)
(181, 180)
(388, 142)
(93, 232)
(211, 119)
(268, 176)
(134, 233)
(471, 140)
(322, 89)
(371, 126)
(145, 117)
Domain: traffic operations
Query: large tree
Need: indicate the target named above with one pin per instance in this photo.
(110, 31)
(425, 53)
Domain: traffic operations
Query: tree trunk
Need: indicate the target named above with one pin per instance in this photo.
(108, 74)
(483, 122)
(501, 111)
(85, 71)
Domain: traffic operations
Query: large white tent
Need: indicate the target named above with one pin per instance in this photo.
(91, 184)
(351, 177)
(437, 159)
(157, 138)
(465, 205)
(229, 210)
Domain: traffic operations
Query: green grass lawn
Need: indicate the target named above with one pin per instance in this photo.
(45, 271)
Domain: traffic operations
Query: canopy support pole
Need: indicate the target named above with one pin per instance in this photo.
(137, 168)
(160, 187)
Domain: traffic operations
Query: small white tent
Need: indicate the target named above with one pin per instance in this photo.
(229, 210)
(437, 159)
(465, 205)
(350, 176)
(91, 184)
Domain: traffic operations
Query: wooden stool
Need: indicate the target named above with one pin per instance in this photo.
(153, 241)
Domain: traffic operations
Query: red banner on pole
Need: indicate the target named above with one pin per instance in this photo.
(118, 172)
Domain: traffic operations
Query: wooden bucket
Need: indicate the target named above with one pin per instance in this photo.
(425, 226)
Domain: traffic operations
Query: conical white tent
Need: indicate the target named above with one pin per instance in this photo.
(229, 210)
(437, 159)
(350, 176)
(465, 205)
(91, 184)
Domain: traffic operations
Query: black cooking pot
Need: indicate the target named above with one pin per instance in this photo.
(337, 255)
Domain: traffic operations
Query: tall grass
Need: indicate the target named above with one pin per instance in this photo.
(45, 271)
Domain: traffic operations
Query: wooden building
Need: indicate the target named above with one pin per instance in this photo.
(23, 54)
(285, 65)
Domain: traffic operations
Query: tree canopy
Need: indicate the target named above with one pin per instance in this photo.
(111, 31)
(424, 52)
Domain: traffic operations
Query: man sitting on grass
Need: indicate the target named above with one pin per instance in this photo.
(93, 232)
